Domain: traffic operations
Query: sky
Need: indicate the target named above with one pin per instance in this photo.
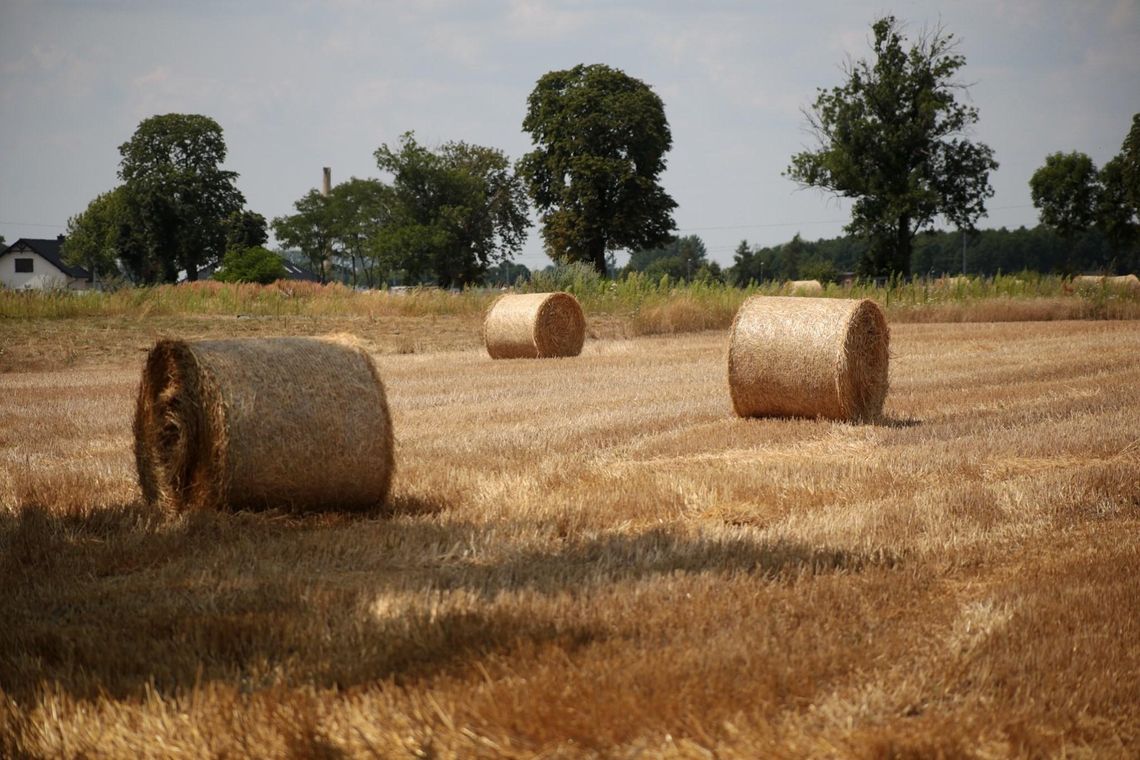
(298, 85)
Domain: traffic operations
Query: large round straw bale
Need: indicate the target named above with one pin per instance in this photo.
(297, 423)
(534, 325)
(805, 287)
(808, 357)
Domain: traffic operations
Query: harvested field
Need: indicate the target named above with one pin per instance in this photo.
(595, 556)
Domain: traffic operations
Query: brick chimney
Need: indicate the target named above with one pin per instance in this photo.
(326, 186)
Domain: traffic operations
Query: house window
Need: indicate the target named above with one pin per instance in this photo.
(24, 265)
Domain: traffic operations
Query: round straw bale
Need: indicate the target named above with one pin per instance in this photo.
(808, 357)
(534, 325)
(1121, 282)
(297, 423)
(804, 287)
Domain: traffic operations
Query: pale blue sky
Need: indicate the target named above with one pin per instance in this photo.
(301, 85)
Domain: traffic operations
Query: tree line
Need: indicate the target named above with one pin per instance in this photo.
(893, 137)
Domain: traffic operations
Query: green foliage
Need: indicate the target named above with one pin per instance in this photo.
(1064, 190)
(891, 138)
(1116, 214)
(818, 268)
(245, 229)
(178, 195)
(1130, 162)
(453, 212)
(310, 231)
(1118, 198)
(600, 141)
(356, 210)
(100, 234)
(682, 258)
(507, 273)
(791, 261)
(253, 264)
(576, 277)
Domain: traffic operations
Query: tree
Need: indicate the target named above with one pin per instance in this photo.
(1064, 190)
(744, 263)
(1130, 158)
(600, 141)
(453, 212)
(681, 258)
(358, 210)
(96, 236)
(892, 137)
(252, 264)
(245, 229)
(1118, 198)
(310, 230)
(171, 171)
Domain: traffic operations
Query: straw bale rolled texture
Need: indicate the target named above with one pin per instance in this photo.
(534, 325)
(804, 287)
(808, 357)
(295, 423)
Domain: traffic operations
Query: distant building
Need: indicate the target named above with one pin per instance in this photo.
(32, 264)
(297, 272)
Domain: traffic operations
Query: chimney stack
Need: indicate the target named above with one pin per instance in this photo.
(326, 187)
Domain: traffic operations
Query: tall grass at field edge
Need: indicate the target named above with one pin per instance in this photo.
(650, 305)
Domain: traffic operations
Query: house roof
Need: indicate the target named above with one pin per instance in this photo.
(296, 272)
(51, 250)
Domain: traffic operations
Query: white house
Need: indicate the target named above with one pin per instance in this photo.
(31, 264)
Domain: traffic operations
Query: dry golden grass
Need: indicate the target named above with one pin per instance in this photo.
(595, 557)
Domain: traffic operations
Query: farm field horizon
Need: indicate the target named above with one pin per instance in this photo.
(591, 557)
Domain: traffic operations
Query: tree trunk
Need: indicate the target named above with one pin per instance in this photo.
(900, 263)
(598, 255)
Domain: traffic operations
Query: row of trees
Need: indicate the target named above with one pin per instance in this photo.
(893, 138)
(447, 216)
(450, 215)
(980, 252)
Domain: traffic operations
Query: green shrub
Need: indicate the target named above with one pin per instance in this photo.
(254, 264)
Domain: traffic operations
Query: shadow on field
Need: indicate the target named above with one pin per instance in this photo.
(114, 601)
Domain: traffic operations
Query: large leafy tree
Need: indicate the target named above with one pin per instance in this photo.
(600, 142)
(1064, 190)
(893, 138)
(1130, 162)
(453, 212)
(177, 190)
(1118, 198)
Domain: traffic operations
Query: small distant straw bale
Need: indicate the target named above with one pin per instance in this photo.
(804, 287)
(808, 357)
(296, 423)
(1121, 282)
(534, 325)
